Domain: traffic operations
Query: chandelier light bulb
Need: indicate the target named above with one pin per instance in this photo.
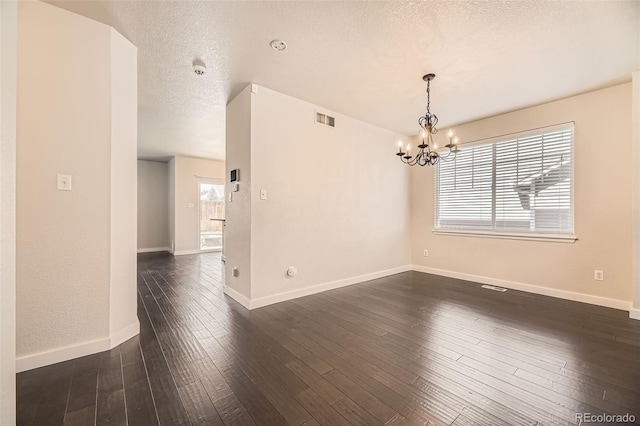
(408, 147)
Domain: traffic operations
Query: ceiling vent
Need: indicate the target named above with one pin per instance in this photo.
(325, 119)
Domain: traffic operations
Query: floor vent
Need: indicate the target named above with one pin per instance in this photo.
(494, 288)
(325, 119)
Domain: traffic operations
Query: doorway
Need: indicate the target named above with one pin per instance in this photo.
(211, 216)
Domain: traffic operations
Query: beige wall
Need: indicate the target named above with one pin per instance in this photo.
(602, 205)
(8, 59)
(237, 242)
(75, 249)
(188, 172)
(153, 206)
(337, 206)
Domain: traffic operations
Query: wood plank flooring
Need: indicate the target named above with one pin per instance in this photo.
(410, 349)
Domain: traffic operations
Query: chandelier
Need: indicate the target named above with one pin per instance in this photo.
(427, 155)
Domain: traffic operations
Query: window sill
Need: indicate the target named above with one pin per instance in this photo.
(555, 238)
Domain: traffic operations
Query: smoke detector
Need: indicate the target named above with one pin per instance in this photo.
(278, 45)
(199, 67)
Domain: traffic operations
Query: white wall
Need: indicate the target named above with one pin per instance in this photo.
(602, 208)
(124, 133)
(635, 196)
(8, 65)
(237, 240)
(75, 249)
(153, 206)
(171, 207)
(337, 207)
(188, 172)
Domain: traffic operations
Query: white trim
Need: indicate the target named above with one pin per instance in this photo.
(125, 334)
(215, 250)
(318, 288)
(41, 359)
(154, 249)
(183, 252)
(235, 295)
(634, 314)
(556, 238)
(530, 288)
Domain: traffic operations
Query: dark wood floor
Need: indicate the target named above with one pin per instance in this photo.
(407, 349)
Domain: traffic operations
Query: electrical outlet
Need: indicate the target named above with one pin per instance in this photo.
(598, 275)
(426, 253)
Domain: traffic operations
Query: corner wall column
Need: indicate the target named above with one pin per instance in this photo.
(635, 187)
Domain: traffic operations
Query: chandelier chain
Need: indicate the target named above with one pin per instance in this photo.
(428, 97)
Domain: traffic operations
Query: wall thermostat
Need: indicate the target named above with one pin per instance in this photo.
(235, 175)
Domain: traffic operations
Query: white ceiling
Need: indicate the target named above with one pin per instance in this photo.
(363, 59)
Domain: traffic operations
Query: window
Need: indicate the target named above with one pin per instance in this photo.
(517, 184)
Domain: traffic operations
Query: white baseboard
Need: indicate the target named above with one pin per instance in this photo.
(125, 334)
(183, 252)
(31, 361)
(294, 294)
(235, 295)
(530, 288)
(634, 314)
(153, 249)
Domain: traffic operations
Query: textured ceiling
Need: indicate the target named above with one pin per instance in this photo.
(363, 59)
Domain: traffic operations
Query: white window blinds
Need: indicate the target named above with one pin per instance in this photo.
(521, 184)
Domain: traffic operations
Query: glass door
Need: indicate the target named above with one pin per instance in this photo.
(211, 216)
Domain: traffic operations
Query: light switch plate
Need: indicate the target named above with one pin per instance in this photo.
(263, 194)
(64, 182)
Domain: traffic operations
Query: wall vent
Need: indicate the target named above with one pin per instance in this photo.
(494, 288)
(325, 119)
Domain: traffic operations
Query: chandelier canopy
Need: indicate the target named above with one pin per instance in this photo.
(427, 155)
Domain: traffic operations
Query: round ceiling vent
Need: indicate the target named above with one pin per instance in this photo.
(278, 45)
